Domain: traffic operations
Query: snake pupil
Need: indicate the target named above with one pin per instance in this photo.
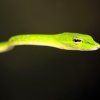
(77, 40)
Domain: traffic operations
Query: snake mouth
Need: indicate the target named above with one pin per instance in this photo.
(95, 48)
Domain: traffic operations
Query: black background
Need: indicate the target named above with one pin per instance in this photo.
(46, 73)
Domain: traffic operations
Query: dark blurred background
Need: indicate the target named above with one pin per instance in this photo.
(46, 73)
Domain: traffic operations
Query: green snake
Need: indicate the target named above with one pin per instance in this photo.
(65, 40)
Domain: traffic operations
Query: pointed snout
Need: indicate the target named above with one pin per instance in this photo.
(97, 46)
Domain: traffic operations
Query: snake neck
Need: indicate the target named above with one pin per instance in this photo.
(44, 40)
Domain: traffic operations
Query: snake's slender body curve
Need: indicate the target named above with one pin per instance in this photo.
(66, 40)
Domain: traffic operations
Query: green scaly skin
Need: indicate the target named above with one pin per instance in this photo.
(66, 41)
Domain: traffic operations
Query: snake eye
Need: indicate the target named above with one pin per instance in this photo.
(77, 40)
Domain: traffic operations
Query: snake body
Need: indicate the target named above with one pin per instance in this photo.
(65, 40)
